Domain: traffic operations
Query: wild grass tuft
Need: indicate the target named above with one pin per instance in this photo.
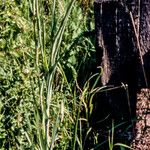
(46, 59)
(41, 46)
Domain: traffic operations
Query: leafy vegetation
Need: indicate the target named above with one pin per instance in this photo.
(45, 48)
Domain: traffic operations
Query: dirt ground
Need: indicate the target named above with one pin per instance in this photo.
(142, 128)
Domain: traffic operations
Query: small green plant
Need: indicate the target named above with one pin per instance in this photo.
(111, 140)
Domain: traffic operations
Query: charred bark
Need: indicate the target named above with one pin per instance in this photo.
(118, 56)
(144, 31)
(123, 51)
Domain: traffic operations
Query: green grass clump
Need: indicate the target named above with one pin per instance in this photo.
(41, 46)
(46, 58)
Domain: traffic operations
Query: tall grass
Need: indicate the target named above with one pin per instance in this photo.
(41, 47)
(46, 99)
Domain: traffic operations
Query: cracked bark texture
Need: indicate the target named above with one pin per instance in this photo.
(119, 55)
(142, 138)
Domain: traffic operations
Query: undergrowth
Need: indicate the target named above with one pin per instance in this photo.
(45, 49)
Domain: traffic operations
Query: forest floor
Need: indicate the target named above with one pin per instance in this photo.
(142, 127)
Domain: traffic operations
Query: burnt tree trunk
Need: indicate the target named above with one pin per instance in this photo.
(118, 56)
(144, 31)
(123, 51)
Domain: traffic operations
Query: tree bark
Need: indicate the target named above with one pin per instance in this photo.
(118, 56)
(123, 51)
(145, 36)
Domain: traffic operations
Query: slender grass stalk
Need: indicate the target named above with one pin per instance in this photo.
(75, 135)
(52, 65)
(41, 34)
(59, 35)
(39, 26)
(55, 127)
(53, 22)
(87, 134)
(111, 137)
(48, 101)
(35, 36)
(139, 47)
(124, 146)
(42, 107)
